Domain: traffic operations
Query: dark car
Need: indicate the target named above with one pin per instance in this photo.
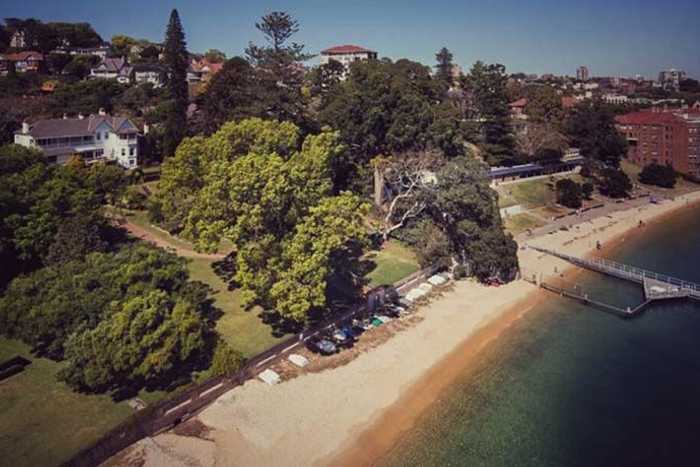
(321, 345)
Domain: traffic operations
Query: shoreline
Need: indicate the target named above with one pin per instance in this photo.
(354, 414)
(381, 435)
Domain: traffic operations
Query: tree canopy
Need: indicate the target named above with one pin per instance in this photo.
(258, 185)
(175, 57)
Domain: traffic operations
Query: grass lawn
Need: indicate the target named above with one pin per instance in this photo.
(531, 193)
(44, 422)
(140, 218)
(393, 262)
(242, 329)
(521, 222)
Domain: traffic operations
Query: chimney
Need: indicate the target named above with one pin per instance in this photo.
(81, 116)
(102, 112)
(25, 128)
(146, 128)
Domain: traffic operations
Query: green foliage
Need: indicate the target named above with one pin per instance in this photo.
(278, 72)
(215, 56)
(226, 360)
(142, 340)
(591, 128)
(487, 84)
(385, 108)
(233, 93)
(614, 183)
(79, 67)
(659, 175)
(544, 105)
(587, 190)
(175, 57)
(85, 97)
(444, 66)
(119, 319)
(250, 183)
(42, 205)
(568, 193)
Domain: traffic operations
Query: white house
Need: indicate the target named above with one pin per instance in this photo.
(148, 73)
(347, 54)
(615, 99)
(113, 68)
(94, 138)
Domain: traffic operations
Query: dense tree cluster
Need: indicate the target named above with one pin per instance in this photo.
(46, 37)
(51, 214)
(659, 175)
(486, 84)
(124, 319)
(569, 193)
(257, 184)
(454, 217)
(384, 108)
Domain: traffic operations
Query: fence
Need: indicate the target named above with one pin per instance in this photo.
(183, 405)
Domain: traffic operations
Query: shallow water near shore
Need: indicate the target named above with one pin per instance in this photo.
(572, 385)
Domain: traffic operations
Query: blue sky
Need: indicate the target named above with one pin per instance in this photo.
(613, 37)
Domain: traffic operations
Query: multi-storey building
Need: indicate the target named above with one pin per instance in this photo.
(671, 79)
(94, 138)
(664, 137)
(582, 73)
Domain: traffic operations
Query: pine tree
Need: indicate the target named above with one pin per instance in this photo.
(175, 52)
(444, 65)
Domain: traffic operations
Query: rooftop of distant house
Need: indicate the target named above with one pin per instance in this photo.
(346, 49)
(80, 126)
(23, 56)
(520, 103)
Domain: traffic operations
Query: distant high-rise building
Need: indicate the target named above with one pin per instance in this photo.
(671, 79)
(582, 73)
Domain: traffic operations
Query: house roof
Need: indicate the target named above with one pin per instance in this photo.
(24, 56)
(568, 102)
(63, 127)
(113, 65)
(522, 102)
(647, 118)
(346, 49)
(205, 66)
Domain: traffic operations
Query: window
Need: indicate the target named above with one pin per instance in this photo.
(97, 136)
(131, 151)
(123, 152)
(106, 135)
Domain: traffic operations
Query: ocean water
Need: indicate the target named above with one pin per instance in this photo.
(570, 385)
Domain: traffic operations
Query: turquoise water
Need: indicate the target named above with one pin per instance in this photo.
(573, 386)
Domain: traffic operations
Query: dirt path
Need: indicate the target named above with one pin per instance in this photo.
(147, 236)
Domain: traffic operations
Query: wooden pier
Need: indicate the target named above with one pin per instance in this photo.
(656, 286)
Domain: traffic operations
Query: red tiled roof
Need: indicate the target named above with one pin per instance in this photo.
(346, 49)
(22, 56)
(568, 102)
(522, 102)
(647, 118)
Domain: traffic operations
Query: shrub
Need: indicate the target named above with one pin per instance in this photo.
(614, 183)
(460, 272)
(568, 193)
(587, 190)
(226, 360)
(659, 175)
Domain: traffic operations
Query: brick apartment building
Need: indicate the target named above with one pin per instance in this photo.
(664, 137)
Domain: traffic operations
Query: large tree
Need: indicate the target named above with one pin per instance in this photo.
(591, 128)
(279, 68)
(487, 85)
(444, 66)
(256, 184)
(175, 57)
(384, 108)
(119, 320)
(232, 94)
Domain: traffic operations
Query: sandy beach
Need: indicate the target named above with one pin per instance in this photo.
(352, 414)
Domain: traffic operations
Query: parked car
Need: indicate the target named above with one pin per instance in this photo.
(321, 345)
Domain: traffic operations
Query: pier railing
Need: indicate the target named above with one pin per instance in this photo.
(624, 271)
